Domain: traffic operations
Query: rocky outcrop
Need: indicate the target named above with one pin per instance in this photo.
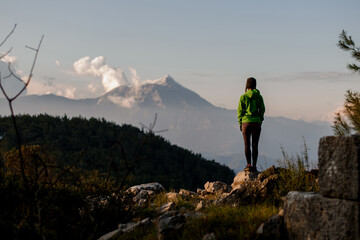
(334, 212)
(171, 218)
(252, 188)
(141, 194)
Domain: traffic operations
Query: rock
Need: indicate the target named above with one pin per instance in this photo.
(166, 207)
(170, 227)
(272, 229)
(111, 235)
(127, 228)
(140, 194)
(251, 191)
(209, 236)
(172, 196)
(242, 177)
(217, 187)
(312, 216)
(339, 167)
(155, 187)
(267, 173)
(200, 206)
(142, 203)
(187, 193)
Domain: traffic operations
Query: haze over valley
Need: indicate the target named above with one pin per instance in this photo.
(190, 120)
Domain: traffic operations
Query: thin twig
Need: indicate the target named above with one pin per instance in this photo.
(6, 38)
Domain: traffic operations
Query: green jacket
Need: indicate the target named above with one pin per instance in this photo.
(251, 107)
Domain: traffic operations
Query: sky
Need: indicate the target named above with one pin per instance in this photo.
(208, 46)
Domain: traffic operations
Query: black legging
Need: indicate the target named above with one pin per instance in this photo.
(251, 130)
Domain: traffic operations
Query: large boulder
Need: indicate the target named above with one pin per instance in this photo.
(312, 216)
(339, 164)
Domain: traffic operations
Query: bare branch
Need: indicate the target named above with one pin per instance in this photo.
(13, 74)
(6, 38)
(31, 71)
(6, 53)
(151, 126)
(2, 89)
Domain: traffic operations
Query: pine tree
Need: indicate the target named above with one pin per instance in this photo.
(347, 44)
(347, 121)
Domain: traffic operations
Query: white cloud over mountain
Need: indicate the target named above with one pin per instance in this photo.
(110, 77)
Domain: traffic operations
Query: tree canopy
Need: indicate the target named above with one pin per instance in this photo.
(347, 121)
(96, 144)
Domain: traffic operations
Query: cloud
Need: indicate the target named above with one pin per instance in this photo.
(9, 59)
(111, 77)
(135, 79)
(49, 87)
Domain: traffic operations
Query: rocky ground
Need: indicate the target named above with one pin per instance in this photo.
(170, 217)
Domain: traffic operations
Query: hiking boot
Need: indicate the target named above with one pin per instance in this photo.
(248, 167)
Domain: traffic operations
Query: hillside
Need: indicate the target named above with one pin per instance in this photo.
(101, 142)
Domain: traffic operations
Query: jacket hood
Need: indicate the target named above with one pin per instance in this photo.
(253, 93)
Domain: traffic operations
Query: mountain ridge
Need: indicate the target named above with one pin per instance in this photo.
(193, 122)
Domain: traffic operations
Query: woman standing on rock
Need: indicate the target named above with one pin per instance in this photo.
(251, 111)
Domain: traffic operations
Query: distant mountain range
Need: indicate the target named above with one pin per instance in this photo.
(192, 122)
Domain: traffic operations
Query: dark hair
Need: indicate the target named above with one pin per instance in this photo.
(250, 83)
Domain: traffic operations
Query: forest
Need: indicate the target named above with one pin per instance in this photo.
(128, 154)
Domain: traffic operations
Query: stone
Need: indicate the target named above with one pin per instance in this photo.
(217, 187)
(339, 167)
(166, 207)
(187, 193)
(200, 206)
(170, 227)
(209, 236)
(155, 187)
(172, 196)
(111, 235)
(313, 216)
(127, 228)
(242, 177)
(251, 191)
(273, 228)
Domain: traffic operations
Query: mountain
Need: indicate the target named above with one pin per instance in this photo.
(192, 122)
(162, 93)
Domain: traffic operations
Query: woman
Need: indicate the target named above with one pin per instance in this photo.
(251, 111)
